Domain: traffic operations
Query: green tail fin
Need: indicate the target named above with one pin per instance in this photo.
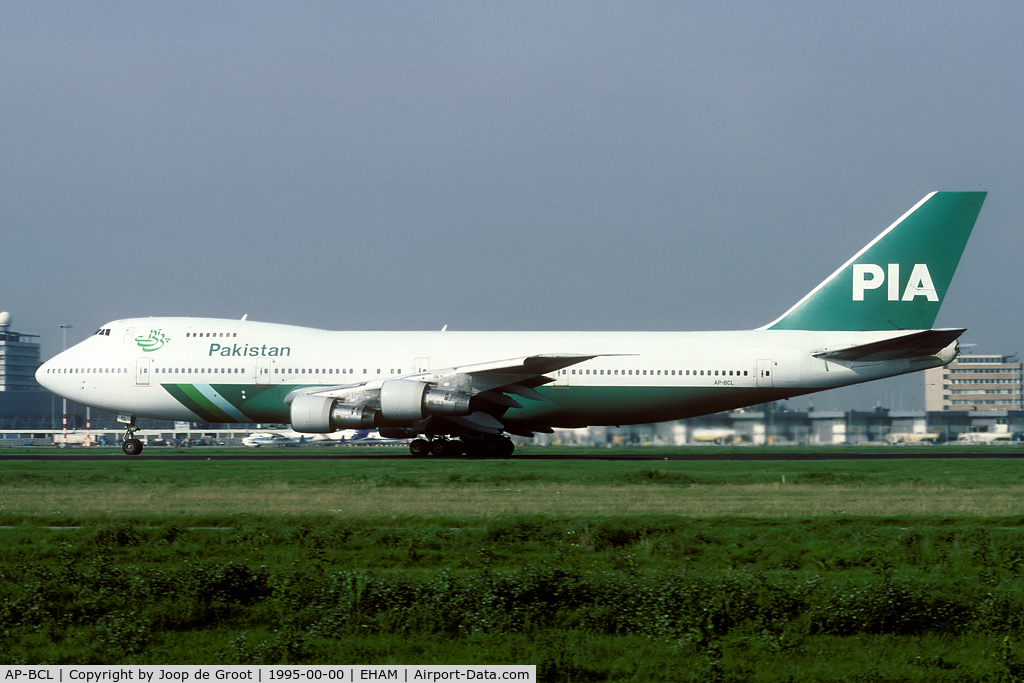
(898, 281)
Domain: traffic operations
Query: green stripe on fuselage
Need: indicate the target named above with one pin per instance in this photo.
(565, 406)
(190, 397)
(617, 405)
(259, 403)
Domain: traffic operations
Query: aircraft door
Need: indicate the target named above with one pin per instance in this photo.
(142, 372)
(765, 370)
(263, 371)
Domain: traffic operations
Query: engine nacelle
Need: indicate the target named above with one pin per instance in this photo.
(440, 402)
(402, 399)
(323, 414)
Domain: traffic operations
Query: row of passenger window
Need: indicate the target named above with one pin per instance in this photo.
(75, 371)
(693, 373)
(211, 334)
(329, 371)
(201, 371)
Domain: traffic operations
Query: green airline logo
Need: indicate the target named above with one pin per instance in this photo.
(154, 341)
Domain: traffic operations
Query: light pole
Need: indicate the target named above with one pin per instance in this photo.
(64, 402)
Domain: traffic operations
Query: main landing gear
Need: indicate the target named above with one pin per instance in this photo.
(481, 447)
(131, 445)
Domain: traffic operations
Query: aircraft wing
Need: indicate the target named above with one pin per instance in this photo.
(527, 371)
(914, 345)
(491, 385)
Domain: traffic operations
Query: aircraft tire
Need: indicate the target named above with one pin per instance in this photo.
(419, 447)
(131, 447)
(445, 448)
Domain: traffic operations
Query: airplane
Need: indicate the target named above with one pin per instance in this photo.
(455, 392)
(717, 435)
(258, 439)
(364, 437)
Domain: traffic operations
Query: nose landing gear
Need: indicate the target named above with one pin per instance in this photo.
(130, 445)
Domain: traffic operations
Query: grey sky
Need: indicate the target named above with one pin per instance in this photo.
(495, 165)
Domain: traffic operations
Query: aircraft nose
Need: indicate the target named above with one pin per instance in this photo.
(44, 375)
(49, 374)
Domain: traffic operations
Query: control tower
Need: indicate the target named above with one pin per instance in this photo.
(19, 358)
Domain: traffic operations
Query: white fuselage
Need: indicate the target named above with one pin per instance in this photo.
(241, 371)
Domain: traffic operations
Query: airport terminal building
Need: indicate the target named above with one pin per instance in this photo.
(23, 403)
(974, 383)
(773, 424)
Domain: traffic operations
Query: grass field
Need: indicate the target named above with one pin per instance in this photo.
(908, 569)
(213, 492)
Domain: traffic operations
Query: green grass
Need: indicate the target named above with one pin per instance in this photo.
(223, 492)
(640, 596)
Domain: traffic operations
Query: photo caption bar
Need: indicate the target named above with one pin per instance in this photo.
(151, 673)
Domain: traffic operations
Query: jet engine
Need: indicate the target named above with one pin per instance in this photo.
(400, 401)
(325, 414)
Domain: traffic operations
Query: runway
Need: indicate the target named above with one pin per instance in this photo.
(760, 455)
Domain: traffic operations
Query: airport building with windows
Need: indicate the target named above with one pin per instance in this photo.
(19, 358)
(23, 403)
(974, 383)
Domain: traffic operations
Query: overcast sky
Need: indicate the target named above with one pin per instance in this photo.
(665, 166)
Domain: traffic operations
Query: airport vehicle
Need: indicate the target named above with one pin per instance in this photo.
(466, 392)
(988, 437)
(914, 437)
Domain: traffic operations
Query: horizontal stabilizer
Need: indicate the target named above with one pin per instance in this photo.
(915, 345)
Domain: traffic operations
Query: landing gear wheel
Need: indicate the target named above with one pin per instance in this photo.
(501, 447)
(445, 448)
(130, 445)
(419, 447)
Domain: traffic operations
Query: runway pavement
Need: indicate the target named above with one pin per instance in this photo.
(624, 454)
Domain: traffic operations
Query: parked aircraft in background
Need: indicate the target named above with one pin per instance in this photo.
(989, 437)
(467, 391)
(717, 435)
(290, 437)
